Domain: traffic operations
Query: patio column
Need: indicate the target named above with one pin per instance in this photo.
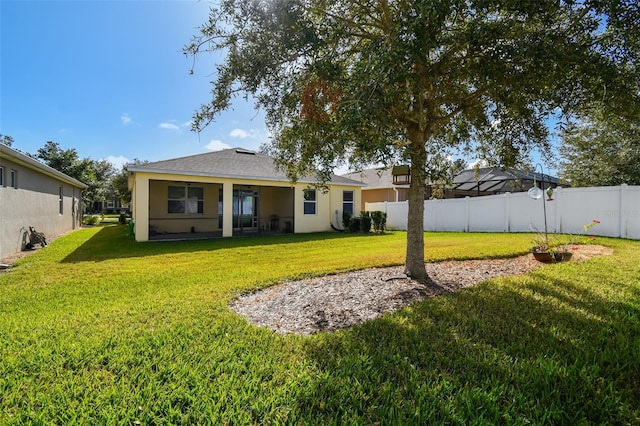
(227, 209)
(141, 212)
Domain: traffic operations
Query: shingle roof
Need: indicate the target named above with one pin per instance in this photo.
(374, 178)
(237, 163)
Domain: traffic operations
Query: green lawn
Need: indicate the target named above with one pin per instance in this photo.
(96, 329)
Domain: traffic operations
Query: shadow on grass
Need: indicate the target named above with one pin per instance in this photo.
(114, 242)
(536, 350)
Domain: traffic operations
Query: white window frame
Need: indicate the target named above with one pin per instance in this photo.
(346, 203)
(308, 202)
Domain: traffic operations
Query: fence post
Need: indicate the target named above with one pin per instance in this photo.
(467, 214)
(557, 217)
(507, 213)
(435, 213)
(621, 213)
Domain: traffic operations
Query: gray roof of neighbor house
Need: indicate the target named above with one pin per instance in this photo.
(30, 163)
(236, 163)
(488, 179)
(375, 178)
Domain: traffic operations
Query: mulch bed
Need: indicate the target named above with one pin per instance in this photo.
(339, 301)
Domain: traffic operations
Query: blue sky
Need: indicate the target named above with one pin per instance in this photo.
(109, 79)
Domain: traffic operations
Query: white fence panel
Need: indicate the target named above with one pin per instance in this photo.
(488, 215)
(629, 212)
(441, 216)
(396, 213)
(616, 207)
(579, 206)
(525, 214)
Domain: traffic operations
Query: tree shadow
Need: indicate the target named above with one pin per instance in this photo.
(114, 242)
(534, 350)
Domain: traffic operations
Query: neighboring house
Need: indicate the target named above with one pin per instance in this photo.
(232, 192)
(33, 194)
(468, 183)
(379, 186)
(109, 206)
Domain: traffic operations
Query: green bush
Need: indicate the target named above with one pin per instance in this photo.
(365, 222)
(379, 220)
(346, 220)
(92, 219)
(354, 224)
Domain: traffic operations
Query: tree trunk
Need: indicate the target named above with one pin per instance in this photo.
(414, 265)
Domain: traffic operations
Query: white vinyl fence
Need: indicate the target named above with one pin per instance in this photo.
(616, 207)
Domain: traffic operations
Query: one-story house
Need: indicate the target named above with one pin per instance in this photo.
(232, 192)
(33, 194)
(380, 184)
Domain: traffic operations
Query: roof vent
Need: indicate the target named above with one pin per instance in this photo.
(245, 151)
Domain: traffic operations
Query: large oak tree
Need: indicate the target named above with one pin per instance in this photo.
(370, 81)
(601, 150)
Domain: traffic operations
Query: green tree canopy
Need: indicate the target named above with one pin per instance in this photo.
(95, 173)
(365, 81)
(120, 181)
(600, 150)
(6, 140)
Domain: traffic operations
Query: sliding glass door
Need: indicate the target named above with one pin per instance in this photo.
(245, 210)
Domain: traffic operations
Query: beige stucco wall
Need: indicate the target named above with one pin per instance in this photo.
(376, 195)
(35, 203)
(153, 186)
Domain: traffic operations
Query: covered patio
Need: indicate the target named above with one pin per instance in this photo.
(196, 210)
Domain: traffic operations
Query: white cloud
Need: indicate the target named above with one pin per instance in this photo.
(126, 119)
(478, 162)
(169, 126)
(216, 145)
(118, 161)
(239, 133)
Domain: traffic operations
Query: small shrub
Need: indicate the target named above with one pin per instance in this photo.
(365, 222)
(379, 220)
(93, 219)
(354, 224)
(346, 220)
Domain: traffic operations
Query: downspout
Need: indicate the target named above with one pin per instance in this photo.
(396, 191)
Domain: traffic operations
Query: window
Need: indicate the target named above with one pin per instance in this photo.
(309, 201)
(347, 202)
(110, 204)
(185, 199)
(60, 200)
(1, 176)
(13, 180)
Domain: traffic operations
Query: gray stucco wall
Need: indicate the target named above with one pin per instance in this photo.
(35, 202)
